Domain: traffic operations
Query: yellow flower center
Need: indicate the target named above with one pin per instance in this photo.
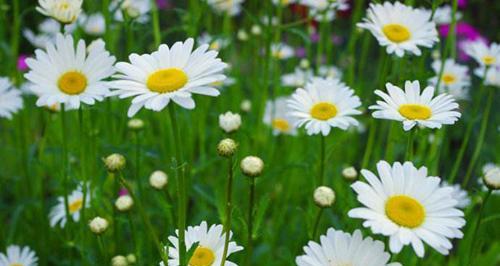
(72, 82)
(16, 264)
(63, 5)
(405, 211)
(167, 80)
(323, 111)
(281, 124)
(396, 32)
(202, 256)
(75, 206)
(488, 60)
(449, 79)
(415, 111)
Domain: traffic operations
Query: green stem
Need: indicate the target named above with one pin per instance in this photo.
(369, 145)
(316, 223)
(102, 249)
(250, 221)
(146, 220)
(229, 210)
(138, 162)
(480, 141)
(156, 23)
(410, 144)
(181, 185)
(65, 163)
(478, 224)
(321, 175)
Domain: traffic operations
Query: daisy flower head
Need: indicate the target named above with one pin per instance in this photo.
(277, 115)
(460, 195)
(170, 73)
(65, 75)
(485, 55)
(215, 43)
(210, 247)
(340, 248)
(283, 2)
(454, 78)
(492, 76)
(94, 24)
(57, 214)
(412, 107)
(65, 11)
(409, 207)
(47, 31)
(135, 9)
(282, 51)
(10, 99)
(330, 72)
(400, 28)
(323, 104)
(231, 7)
(18, 256)
(443, 15)
(297, 78)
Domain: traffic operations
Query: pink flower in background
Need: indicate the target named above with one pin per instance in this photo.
(163, 4)
(21, 63)
(465, 33)
(123, 192)
(462, 3)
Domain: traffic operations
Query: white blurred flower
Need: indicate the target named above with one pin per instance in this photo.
(229, 122)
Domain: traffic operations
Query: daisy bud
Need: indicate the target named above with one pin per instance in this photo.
(158, 179)
(119, 261)
(350, 173)
(98, 225)
(492, 178)
(252, 166)
(324, 197)
(304, 63)
(115, 162)
(124, 203)
(227, 147)
(246, 106)
(256, 30)
(131, 259)
(229, 122)
(242, 35)
(135, 124)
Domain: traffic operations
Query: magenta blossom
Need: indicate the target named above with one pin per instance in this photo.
(465, 33)
(21, 63)
(462, 3)
(123, 192)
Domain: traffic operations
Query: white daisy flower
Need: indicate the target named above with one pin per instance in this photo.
(401, 28)
(322, 5)
(210, 246)
(63, 74)
(412, 108)
(409, 207)
(277, 115)
(231, 7)
(18, 256)
(282, 51)
(94, 24)
(75, 204)
(483, 54)
(454, 80)
(330, 72)
(47, 32)
(491, 168)
(170, 73)
(323, 104)
(214, 43)
(65, 11)
(135, 9)
(460, 195)
(340, 248)
(297, 78)
(493, 76)
(443, 15)
(10, 99)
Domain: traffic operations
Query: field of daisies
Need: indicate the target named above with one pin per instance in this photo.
(249, 132)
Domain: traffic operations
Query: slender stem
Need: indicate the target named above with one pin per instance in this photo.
(229, 209)
(468, 132)
(65, 163)
(181, 186)
(138, 162)
(102, 249)
(321, 176)
(369, 145)
(410, 144)
(478, 223)
(84, 175)
(316, 223)
(480, 140)
(145, 219)
(156, 23)
(250, 221)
